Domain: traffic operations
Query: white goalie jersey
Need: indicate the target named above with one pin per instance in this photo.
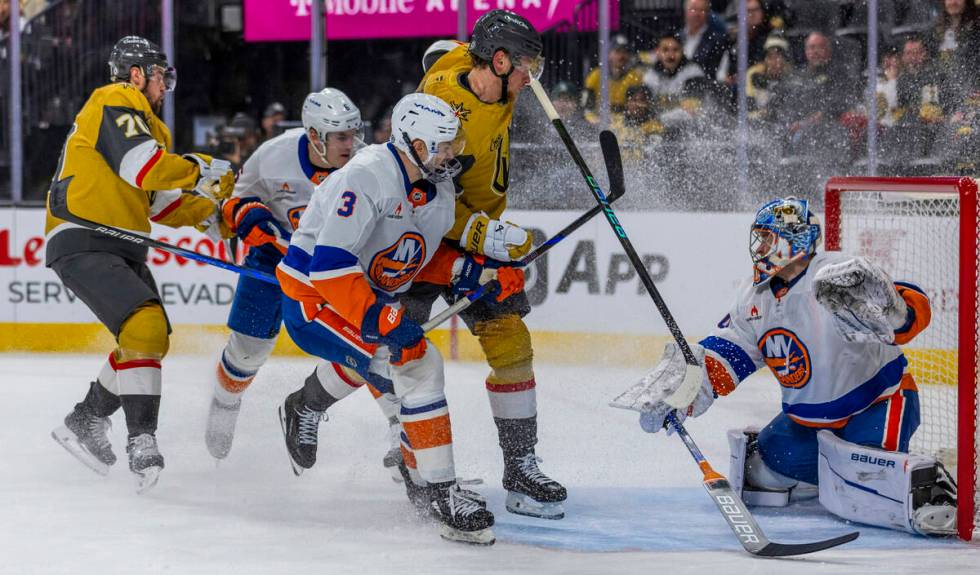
(281, 175)
(824, 379)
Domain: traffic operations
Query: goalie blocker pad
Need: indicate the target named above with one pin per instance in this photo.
(882, 488)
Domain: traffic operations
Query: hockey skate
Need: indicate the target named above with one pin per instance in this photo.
(463, 518)
(85, 435)
(420, 494)
(220, 431)
(300, 425)
(934, 501)
(529, 491)
(144, 460)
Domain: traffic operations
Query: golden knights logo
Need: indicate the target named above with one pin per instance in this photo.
(396, 265)
(787, 357)
(460, 111)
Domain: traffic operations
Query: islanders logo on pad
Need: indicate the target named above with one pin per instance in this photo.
(787, 356)
(396, 265)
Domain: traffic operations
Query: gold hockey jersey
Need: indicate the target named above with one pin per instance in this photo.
(486, 127)
(115, 170)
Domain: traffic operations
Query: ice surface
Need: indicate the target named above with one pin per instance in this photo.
(635, 500)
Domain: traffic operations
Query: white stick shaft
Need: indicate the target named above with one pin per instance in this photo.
(549, 108)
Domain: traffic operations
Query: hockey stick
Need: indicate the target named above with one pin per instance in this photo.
(58, 203)
(617, 187)
(732, 508)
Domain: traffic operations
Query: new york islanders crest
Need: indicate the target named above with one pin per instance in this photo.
(396, 265)
(787, 357)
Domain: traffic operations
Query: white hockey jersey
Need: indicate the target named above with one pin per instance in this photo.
(281, 175)
(366, 221)
(824, 379)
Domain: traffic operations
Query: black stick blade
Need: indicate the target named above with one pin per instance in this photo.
(614, 164)
(790, 549)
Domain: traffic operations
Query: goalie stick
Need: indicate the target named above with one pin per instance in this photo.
(617, 187)
(58, 202)
(737, 515)
(728, 502)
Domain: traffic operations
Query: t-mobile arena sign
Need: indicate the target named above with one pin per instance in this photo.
(281, 20)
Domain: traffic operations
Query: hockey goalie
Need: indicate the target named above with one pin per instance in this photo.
(829, 327)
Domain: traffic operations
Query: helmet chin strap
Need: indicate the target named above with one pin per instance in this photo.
(415, 156)
(321, 153)
(504, 80)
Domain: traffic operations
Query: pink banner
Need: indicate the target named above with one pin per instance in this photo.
(281, 20)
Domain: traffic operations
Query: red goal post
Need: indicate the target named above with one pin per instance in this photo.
(927, 228)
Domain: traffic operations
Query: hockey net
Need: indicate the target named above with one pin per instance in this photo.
(925, 231)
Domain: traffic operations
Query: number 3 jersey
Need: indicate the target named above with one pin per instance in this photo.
(281, 175)
(824, 379)
(367, 229)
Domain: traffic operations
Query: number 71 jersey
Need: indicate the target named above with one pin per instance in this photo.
(366, 218)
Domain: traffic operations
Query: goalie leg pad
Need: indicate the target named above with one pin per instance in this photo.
(877, 487)
(752, 479)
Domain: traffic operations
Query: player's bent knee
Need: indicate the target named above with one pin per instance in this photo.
(422, 381)
(248, 353)
(506, 342)
(144, 334)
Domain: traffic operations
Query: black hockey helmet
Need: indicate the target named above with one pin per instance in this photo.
(132, 51)
(504, 30)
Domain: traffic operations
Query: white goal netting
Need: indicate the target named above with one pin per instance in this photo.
(916, 238)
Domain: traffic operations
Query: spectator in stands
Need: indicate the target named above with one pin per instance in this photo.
(623, 73)
(961, 143)
(922, 97)
(4, 17)
(703, 38)
(957, 27)
(769, 82)
(274, 113)
(237, 140)
(566, 103)
(821, 94)
(759, 29)
(887, 86)
(678, 86)
(637, 123)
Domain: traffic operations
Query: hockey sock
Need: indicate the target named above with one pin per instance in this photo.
(327, 385)
(139, 392)
(430, 441)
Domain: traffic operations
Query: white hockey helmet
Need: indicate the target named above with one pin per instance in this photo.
(429, 119)
(329, 110)
(436, 50)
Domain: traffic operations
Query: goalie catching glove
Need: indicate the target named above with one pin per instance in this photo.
(387, 325)
(672, 385)
(254, 223)
(472, 271)
(863, 299)
(217, 181)
(495, 239)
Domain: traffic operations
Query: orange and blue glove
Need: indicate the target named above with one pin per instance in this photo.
(254, 223)
(387, 325)
(472, 271)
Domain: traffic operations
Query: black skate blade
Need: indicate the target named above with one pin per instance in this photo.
(146, 479)
(69, 441)
(521, 504)
(483, 537)
(297, 468)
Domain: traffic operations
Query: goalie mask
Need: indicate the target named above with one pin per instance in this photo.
(784, 231)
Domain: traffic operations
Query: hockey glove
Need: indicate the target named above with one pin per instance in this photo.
(217, 180)
(386, 325)
(472, 271)
(863, 299)
(495, 239)
(254, 223)
(215, 227)
(673, 384)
